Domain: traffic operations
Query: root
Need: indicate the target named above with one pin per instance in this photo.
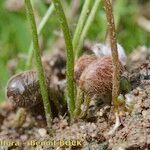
(116, 126)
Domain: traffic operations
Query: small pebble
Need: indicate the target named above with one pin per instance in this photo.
(42, 132)
(145, 114)
(136, 92)
(23, 137)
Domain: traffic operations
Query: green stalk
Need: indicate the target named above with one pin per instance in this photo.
(87, 27)
(119, 6)
(38, 61)
(70, 56)
(39, 31)
(81, 21)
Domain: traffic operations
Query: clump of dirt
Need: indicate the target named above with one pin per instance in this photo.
(91, 133)
(135, 133)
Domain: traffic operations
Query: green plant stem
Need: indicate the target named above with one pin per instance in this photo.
(39, 31)
(70, 56)
(119, 6)
(115, 59)
(79, 101)
(87, 27)
(80, 24)
(40, 70)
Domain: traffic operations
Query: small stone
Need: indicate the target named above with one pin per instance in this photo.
(145, 114)
(23, 137)
(100, 113)
(96, 146)
(42, 132)
(136, 92)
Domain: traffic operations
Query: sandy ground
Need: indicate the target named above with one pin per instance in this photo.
(90, 133)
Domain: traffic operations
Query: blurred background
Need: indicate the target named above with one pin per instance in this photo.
(132, 21)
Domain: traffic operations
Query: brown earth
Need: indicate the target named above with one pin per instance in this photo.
(133, 134)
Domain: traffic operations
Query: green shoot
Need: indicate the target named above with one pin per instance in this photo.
(39, 67)
(80, 24)
(70, 56)
(86, 28)
(39, 31)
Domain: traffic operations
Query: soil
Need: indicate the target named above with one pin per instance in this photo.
(92, 132)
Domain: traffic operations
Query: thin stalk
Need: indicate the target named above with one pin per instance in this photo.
(38, 62)
(118, 6)
(87, 27)
(75, 4)
(113, 43)
(39, 31)
(80, 24)
(70, 56)
(79, 101)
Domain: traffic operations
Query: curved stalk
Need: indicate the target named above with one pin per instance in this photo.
(87, 27)
(39, 67)
(39, 31)
(70, 56)
(115, 59)
(80, 24)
